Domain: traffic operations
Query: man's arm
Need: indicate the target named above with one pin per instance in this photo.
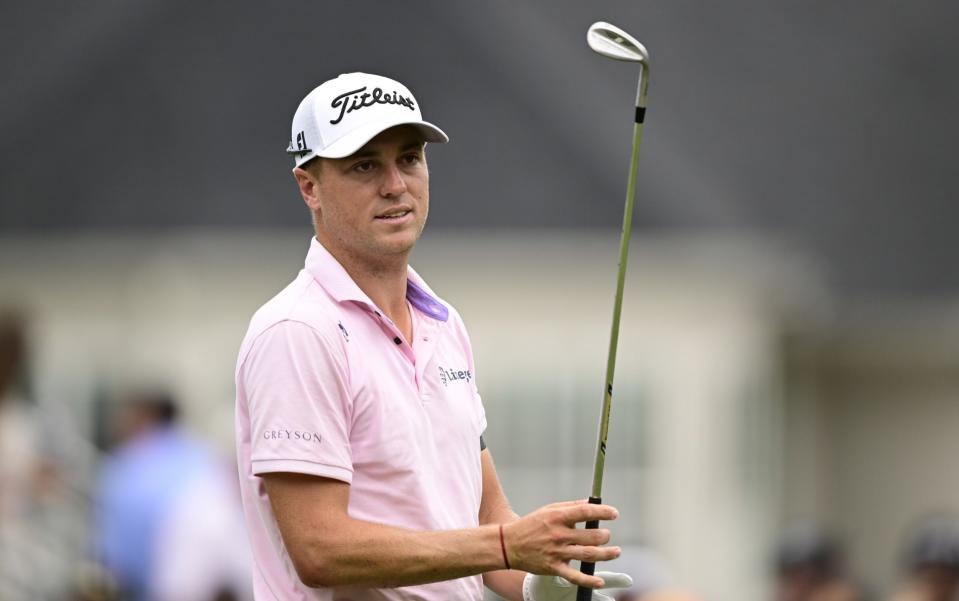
(329, 548)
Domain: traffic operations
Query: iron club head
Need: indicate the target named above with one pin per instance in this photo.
(613, 42)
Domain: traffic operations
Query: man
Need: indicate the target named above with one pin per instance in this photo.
(931, 561)
(22, 470)
(167, 526)
(810, 566)
(359, 425)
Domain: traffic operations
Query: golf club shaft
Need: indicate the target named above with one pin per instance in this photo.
(597, 490)
(584, 593)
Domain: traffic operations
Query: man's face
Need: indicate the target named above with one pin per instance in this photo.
(371, 206)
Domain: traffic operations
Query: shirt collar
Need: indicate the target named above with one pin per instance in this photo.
(328, 272)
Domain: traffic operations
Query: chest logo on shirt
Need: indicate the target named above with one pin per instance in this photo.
(450, 375)
(343, 330)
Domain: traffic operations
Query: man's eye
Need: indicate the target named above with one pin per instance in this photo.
(363, 167)
(411, 159)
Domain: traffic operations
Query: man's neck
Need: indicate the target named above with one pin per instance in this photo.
(386, 287)
(383, 281)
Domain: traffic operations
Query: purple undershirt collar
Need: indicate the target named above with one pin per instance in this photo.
(425, 303)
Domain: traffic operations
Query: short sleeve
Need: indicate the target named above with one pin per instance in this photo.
(479, 411)
(297, 388)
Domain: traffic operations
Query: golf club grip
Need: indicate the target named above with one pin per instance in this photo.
(585, 593)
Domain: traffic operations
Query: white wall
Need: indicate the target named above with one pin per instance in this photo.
(695, 441)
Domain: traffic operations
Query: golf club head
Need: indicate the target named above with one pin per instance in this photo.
(613, 42)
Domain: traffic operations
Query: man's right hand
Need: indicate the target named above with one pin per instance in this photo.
(546, 540)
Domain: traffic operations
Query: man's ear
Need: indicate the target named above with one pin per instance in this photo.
(309, 187)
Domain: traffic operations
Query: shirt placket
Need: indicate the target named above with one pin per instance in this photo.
(393, 333)
(426, 333)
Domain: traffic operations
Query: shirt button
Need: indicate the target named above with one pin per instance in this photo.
(397, 340)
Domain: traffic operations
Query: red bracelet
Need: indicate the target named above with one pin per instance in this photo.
(502, 545)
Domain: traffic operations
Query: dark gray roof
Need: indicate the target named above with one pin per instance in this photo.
(828, 123)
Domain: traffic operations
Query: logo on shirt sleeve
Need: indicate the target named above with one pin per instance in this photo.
(450, 375)
(294, 435)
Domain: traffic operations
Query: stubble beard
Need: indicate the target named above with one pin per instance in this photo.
(372, 254)
(384, 256)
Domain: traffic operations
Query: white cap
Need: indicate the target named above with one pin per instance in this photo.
(341, 115)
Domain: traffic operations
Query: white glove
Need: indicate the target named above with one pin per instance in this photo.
(556, 588)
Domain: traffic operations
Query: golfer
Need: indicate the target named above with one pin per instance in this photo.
(363, 470)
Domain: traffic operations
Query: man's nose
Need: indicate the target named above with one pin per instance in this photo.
(393, 183)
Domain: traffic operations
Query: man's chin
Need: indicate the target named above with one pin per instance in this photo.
(401, 242)
(398, 245)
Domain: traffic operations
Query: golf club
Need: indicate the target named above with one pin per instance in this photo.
(613, 42)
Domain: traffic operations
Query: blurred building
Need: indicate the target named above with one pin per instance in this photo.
(744, 397)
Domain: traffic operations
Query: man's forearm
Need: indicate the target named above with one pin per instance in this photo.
(375, 555)
(328, 548)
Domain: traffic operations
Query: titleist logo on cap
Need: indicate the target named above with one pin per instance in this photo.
(359, 100)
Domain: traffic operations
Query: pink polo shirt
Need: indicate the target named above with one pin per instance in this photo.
(326, 386)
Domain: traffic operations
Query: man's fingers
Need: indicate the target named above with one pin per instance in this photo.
(586, 511)
(592, 554)
(593, 537)
(578, 578)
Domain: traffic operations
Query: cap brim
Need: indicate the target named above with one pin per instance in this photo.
(355, 140)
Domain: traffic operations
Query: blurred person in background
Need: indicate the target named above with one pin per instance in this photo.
(201, 552)
(30, 565)
(18, 455)
(168, 526)
(809, 566)
(931, 562)
(19, 458)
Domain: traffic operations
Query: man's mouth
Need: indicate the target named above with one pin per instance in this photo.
(397, 214)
